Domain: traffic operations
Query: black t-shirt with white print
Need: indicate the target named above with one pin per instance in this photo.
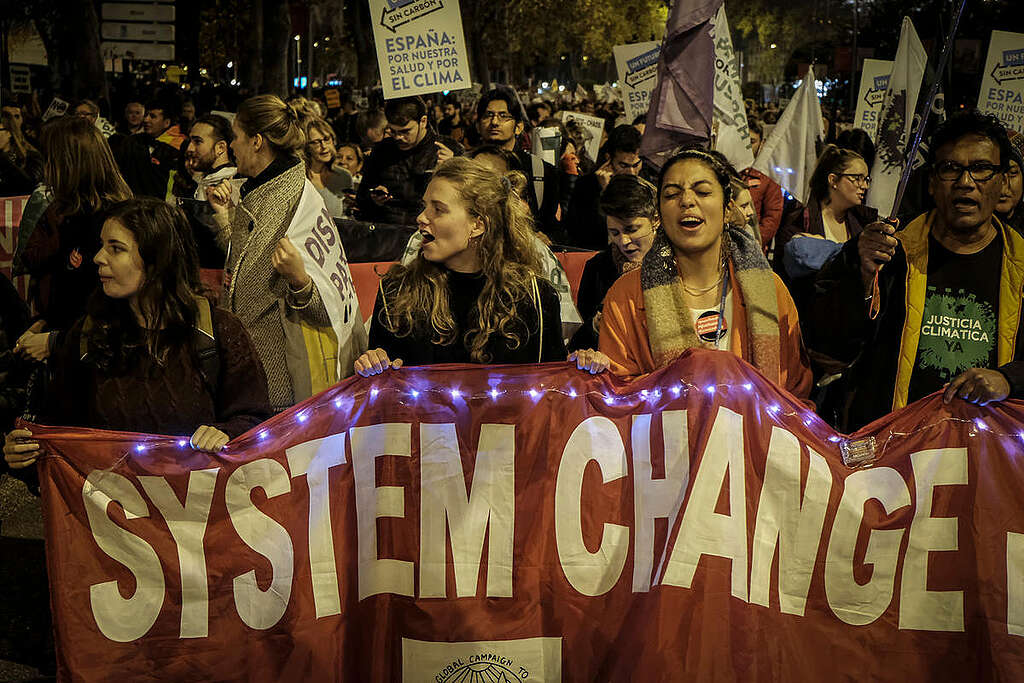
(960, 327)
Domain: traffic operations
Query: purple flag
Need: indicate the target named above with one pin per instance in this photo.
(683, 100)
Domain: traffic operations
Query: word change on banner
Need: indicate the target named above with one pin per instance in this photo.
(421, 48)
(594, 125)
(468, 523)
(1002, 83)
(729, 125)
(874, 81)
(638, 72)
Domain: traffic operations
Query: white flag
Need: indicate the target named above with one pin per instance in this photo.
(896, 118)
(731, 135)
(789, 155)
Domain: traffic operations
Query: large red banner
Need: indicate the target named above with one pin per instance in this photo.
(10, 218)
(463, 523)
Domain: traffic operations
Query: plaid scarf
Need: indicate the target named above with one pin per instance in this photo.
(669, 321)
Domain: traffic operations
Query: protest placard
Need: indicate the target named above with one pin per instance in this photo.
(105, 127)
(874, 81)
(421, 48)
(1002, 84)
(57, 108)
(593, 125)
(638, 69)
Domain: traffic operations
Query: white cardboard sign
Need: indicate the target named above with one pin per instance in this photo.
(421, 48)
(874, 81)
(638, 72)
(1002, 84)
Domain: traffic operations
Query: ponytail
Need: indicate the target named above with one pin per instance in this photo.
(277, 122)
(832, 160)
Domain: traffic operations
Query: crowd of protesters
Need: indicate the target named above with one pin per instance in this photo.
(836, 306)
(234, 181)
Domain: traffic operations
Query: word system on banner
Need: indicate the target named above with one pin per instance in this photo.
(421, 48)
(1002, 84)
(874, 81)
(519, 522)
(638, 70)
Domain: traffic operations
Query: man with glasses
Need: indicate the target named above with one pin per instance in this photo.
(397, 171)
(621, 156)
(500, 121)
(935, 306)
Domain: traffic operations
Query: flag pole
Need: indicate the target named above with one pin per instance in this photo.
(923, 113)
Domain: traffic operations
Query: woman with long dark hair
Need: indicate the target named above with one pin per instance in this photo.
(152, 355)
(84, 179)
(476, 292)
(704, 283)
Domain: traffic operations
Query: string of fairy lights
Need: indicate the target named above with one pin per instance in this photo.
(855, 452)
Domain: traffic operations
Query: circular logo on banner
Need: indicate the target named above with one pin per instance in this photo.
(482, 672)
(707, 323)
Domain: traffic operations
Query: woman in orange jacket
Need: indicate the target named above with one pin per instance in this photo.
(703, 284)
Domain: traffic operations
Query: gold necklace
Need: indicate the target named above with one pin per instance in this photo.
(705, 290)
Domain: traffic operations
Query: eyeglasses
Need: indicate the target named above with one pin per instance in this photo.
(322, 142)
(502, 116)
(980, 173)
(858, 178)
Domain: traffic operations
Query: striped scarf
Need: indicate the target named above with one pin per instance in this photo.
(669, 321)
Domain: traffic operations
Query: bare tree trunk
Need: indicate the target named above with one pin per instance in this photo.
(251, 49)
(277, 28)
(71, 34)
(362, 32)
(473, 27)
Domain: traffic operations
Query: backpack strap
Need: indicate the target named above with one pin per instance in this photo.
(203, 341)
(83, 341)
(205, 345)
(538, 179)
(540, 319)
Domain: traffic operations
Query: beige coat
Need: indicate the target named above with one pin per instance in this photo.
(261, 298)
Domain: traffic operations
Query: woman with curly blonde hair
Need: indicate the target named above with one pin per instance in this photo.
(476, 292)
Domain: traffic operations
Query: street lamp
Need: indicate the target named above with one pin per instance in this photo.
(773, 46)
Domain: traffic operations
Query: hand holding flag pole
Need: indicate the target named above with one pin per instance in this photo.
(924, 112)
